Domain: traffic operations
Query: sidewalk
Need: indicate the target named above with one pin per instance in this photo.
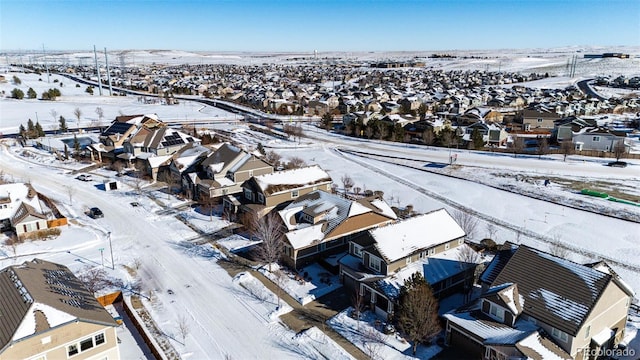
(301, 318)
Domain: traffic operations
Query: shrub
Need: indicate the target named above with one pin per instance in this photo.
(43, 234)
(17, 94)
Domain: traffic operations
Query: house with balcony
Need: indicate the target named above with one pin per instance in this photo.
(539, 306)
(382, 258)
(47, 313)
(320, 224)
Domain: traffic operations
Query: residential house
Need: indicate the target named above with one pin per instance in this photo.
(598, 138)
(47, 313)
(539, 117)
(223, 171)
(492, 134)
(381, 259)
(565, 128)
(184, 166)
(319, 224)
(541, 306)
(261, 193)
(20, 209)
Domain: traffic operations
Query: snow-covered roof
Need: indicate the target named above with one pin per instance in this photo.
(433, 268)
(536, 347)
(404, 237)
(284, 180)
(156, 161)
(13, 195)
(492, 332)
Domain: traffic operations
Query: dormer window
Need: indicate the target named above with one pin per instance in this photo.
(247, 194)
(260, 198)
(356, 250)
(559, 334)
(496, 311)
(294, 194)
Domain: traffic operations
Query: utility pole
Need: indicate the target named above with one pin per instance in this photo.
(95, 57)
(113, 265)
(102, 255)
(46, 64)
(106, 61)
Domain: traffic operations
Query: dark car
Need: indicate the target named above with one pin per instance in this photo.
(95, 213)
(619, 164)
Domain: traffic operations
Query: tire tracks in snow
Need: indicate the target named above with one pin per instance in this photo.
(485, 217)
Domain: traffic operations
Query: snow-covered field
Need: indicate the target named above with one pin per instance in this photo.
(223, 313)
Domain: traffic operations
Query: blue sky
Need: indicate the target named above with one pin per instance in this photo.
(323, 25)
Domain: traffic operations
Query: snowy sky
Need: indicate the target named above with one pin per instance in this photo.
(323, 25)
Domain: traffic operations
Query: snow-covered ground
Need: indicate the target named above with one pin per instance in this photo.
(160, 251)
(15, 112)
(367, 335)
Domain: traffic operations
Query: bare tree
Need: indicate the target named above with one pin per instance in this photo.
(138, 181)
(269, 230)
(281, 281)
(418, 311)
(347, 183)
(183, 327)
(357, 300)
(373, 341)
(295, 163)
(543, 147)
(467, 222)
(272, 158)
(619, 149)
(118, 166)
(94, 279)
(100, 113)
(77, 113)
(492, 230)
(428, 137)
(466, 255)
(209, 203)
(70, 191)
(168, 178)
(54, 114)
(557, 249)
(518, 146)
(567, 148)
(357, 190)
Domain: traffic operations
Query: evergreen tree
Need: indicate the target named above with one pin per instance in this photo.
(30, 129)
(38, 130)
(76, 147)
(477, 138)
(63, 124)
(22, 131)
(16, 80)
(17, 94)
(31, 93)
(66, 151)
(261, 149)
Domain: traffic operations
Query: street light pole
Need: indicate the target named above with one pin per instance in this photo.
(113, 265)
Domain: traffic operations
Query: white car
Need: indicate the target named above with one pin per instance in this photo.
(84, 177)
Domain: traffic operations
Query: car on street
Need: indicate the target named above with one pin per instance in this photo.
(620, 164)
(84, 177)
(95, 213)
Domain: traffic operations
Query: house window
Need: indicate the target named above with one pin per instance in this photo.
(408, 260)
(260, 198)
(328, 186)
(247, 194)
(460, 241)
(432, 251)
(294, 194)
(558, 334)
(497, 312)
(99, 339)
(595, 139)
(250, 173)
(46, 340)
(72, 350)
(86, 344)
(539, 120)
(374, 263)
(447, 246)
(422, 255)
(587, 332)
(357, 250)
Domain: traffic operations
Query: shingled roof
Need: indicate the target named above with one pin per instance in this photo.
(38, 295)
(556, 291)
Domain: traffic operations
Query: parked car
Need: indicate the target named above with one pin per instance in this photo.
(95, 213)
(84, 177)
(619, 164)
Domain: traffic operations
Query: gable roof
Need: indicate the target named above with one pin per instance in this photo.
(222, 157)
(16, 194)
(282, 181)
(507, 296)
(556, 291)
(539, 347)
(402, 238)
(338, 217)
(38, 295)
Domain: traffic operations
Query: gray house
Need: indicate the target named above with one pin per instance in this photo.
(599, 139)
